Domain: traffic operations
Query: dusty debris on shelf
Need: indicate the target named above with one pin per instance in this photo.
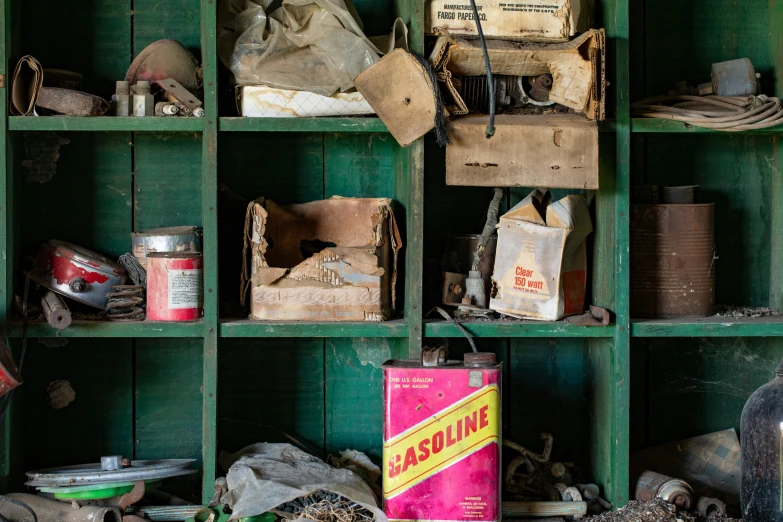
(744, 312)
(655, 511)
(325, 506)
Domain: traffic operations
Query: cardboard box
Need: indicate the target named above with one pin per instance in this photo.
(536, 20)
(330, 260)
(541, 269)
(550, 150)
(577, 67)
(260, 101)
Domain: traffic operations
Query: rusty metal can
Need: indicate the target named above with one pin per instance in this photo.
(653, 485)
(441, 440)
(672, 260)
(77, 273)
(172, 239)
(175, 286)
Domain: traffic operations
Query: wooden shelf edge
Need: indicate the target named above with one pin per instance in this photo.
(709, 327)
(104, 124)
(357, 124)
(246, 328)
(516, 329)
(88, 329)
(653, 126)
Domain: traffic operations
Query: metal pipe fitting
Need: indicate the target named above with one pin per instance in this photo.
(53, 511)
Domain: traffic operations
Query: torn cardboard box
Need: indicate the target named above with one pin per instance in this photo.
(330, 260)
(577, 68)
(538, 20)
(552, 150)
(541, 260)
(260, 101)
(399, 89)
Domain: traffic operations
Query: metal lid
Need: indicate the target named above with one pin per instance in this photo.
(95, 474)
(175, 255)
(479, 359)
(85, 256)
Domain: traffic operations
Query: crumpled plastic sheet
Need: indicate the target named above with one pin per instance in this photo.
(265, 475)
(304, 45)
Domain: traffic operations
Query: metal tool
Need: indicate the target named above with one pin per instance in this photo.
(96, 473)
(77, 273)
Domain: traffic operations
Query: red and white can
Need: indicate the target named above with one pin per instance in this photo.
(441, 440)
(175, 286)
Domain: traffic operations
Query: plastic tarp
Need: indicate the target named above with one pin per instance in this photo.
(306, 45)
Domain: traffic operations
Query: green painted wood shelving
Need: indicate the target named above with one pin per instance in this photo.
(156, 390)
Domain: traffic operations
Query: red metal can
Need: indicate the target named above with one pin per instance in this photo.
(442, 441)
(175, 286)
(9, 374)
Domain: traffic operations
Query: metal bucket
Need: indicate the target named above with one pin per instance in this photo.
(175, 286)
(172, 239)
(672, 261)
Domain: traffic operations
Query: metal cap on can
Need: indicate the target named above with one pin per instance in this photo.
(174, 255)
(479, 359)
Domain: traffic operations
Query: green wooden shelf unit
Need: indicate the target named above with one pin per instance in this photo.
(171, 390)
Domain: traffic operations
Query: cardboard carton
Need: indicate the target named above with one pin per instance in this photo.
(577, 68)
(330, 260)
(552, 150)
(536, 20)
(541, 269)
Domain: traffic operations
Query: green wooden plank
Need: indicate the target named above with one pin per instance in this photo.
(100, 419)
(354, 393)
(360, 166)
(7, 237)
(167, 185)
(411, 182)
(168, 380)
(238, 124)
(268, 387)
(652, 125)
(105, 124)
(548, 381)
(175, 19)
(209, 205)
(516, 329)
(79, 329)
(297, 329)
(709, 327)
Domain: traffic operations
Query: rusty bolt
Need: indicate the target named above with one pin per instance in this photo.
(77, 285)
(708, 506)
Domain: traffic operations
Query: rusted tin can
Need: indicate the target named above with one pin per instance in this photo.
(9, 373)
(172, 239)
(175, 286)
(441, 440)
(672, 261)
(75, 272)
(653, 485)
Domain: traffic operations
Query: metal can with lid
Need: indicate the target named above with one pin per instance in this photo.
(175, 286)
(77, 273)
(172, 239)
(441, 438)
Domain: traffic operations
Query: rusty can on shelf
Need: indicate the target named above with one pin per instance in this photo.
(651, 485)
(175, 286)
(672, 261)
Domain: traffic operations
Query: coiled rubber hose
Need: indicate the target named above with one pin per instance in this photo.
(722, 113)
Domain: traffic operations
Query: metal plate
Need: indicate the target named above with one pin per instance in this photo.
(93, 474)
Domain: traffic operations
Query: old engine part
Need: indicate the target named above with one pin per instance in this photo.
(761, 425)
(408, 430)
(56, 311)
(172, 239)
(143, 100)
(732, 78)
(653, 485)
(85, 474)
(126, 303)
(175, 286)
(177, 93)
(70, 102)
(48, 510)
(672, 258)
(10, 377)
(510, 91)
(76, 272)
(121, 99)
(165, 59)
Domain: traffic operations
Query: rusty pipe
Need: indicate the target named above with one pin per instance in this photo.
(48, 510)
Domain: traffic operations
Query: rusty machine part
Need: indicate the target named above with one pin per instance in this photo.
(710, 507)
(126, 303)
(122, 99)
(177, 93)
(540, 87)
(166, 59)
(653, 485)
(143, 101)
(77, 273)
(56, 311)
(70, 102)
(732, 78)
(672, 261)
(510, 91)
(458, 262)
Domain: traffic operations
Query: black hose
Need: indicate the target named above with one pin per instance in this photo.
(442, 124)
(490, 86)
